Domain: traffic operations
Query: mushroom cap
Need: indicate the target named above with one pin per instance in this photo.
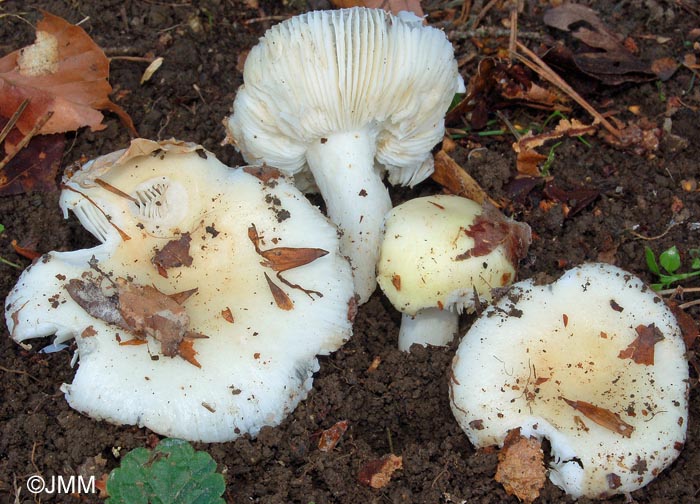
(257, 360)
(341, 71)
(580, 362)
(430, 258)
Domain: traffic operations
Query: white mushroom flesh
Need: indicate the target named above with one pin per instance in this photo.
(257, 360)
(570, 362)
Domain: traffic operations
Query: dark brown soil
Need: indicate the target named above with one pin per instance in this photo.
(402, 407)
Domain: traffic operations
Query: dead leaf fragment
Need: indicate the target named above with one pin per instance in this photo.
(492, 229)
(281, 298)
(33, 168)
(63, 72)
(151, 69)
(604, 418)
(521, 468)
(377, 473)
(641, 350)
(174, 254)
(449, 174)
(330, 437)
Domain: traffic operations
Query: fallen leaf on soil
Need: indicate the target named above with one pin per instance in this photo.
(330, 437)
(377, 473)
(602, 417)
(528, 159)
(393, 6)
(641, 350)
(33, 168)
(689, 326)
(521, 468)
(575, 200)
(491, 229)
(498, 84)
(174, 254)
(63, 72)
(613, 62)
(455, 179)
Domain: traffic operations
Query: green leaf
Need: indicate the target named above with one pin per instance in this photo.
(670, 259)
(651, 261)
(173, 473)
(2, 228)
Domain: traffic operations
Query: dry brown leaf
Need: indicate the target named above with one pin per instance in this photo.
(281, 259)
(377, 473)
(450, 175)
(330, 437)
(63, 72)
(393, 6)
(604, 418)
(521, 468)
(281, 299)
(641, 350)
(528, 158)
(33, 168)
(174, 254)
(492, 229)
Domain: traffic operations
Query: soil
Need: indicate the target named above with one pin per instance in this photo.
(402, 406)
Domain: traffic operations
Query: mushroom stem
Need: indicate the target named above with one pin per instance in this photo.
(429, 326)
(356, 199)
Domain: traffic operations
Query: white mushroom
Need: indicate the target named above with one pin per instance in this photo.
(441, 255)
(201, 313)
(346, 94)
(594, 362)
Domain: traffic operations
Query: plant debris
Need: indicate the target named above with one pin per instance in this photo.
(641, 350)
(330, 437)
(602, 417)
(174, 254)
(377, 473)
(142, 310)
(63, 72)
(281, 259)
(521, 468)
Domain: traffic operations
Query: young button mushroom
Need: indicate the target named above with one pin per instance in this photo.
(441, 255)
(594, 362)
(346, 94)
(201, 313)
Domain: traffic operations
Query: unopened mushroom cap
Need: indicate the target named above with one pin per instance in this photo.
(237, 261)
(594, 362)
(325, 72)
(435, 254)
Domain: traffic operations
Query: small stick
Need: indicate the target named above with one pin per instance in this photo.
(13, 120)
(22, 144)
(483, 12)
(465, 12)
(513, 30)
(541, 68)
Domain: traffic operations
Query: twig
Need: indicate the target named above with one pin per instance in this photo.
(140, 59)
(483, 12)
(651, 238)
(17, 371)
(513, 30)
(465, 12)
(13, 120)
(532, 61)
(687, 305)
(265, 18)
(22, 144)
(679, 290)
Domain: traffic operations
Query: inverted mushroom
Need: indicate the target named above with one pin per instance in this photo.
(347, 94)
(441, 255)
(201, 313)
(594, 362)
